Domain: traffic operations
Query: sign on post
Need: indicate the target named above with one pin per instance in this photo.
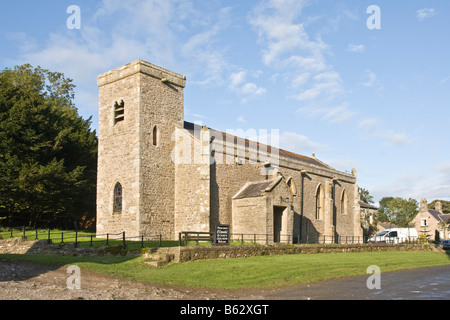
(222, 234)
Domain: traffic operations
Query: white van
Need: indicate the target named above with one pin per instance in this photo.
(395, 235)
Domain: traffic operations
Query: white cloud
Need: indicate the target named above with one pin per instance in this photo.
(241, 120)
(288, 48)
(370, 79)
(300, 144)
(432, 183)
(388, 137)
(356, 48)
(245, 89)
(425, 13)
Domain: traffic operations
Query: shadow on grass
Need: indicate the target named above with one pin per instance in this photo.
(37, 260)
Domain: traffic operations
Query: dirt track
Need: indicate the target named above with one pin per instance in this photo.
(22, 280)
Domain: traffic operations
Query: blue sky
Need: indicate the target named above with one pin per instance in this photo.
(371, 99)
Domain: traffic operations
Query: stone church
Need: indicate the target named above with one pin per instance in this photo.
(158, 174)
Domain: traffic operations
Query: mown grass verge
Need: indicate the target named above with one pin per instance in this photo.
(254, 272)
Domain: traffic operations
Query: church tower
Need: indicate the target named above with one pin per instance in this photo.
(140, 105)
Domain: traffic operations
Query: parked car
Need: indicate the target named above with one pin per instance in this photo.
(445, 244)
(395, 235)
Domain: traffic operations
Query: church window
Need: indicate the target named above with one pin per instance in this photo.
(155, 136)
(344, 203)
(117, 206)
(319, 203)
(292, 186)
(119, 111)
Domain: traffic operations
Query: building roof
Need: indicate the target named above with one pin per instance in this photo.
(193, 128)
(362, 204)
(256, 189)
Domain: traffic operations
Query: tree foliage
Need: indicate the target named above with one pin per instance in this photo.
(48, 153)
(445, 205)
(397, 210)
(365, 196)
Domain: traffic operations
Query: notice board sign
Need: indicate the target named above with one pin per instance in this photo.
(223, 234)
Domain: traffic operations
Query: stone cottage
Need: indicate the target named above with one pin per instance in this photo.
(430, 222)
(158, 174)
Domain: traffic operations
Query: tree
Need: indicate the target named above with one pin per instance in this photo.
(445, 205)
(397, 210)
(48, 153)
(365, 196)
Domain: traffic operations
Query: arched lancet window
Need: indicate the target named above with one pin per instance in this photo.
(319, 202)
(117, 206)
(344, 203)
(155, 136)
(291, 184)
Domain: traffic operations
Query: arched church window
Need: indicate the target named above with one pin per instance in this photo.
(291, 184)
(319, 202)
(344, 203)
(118, 193)
(155, 135)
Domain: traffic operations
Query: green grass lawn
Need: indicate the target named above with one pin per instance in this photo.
(255, 272)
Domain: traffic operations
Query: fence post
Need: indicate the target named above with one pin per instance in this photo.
(62, 237)
(91, 244)
(76, 238)
(142, 241)
(160, 240)
(179, 239)
(10, 229)
(49, 240)
(242, 239)
(123, 240)
(36, 234)
(23, 230)
(107, 239)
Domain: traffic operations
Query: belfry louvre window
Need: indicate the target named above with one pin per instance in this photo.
(117, 205)
(119, 111)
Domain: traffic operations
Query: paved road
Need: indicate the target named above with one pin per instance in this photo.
(416, 284)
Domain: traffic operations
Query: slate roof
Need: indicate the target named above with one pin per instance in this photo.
(192, 128)
(362, 204)
(255, 189)
(439, 216)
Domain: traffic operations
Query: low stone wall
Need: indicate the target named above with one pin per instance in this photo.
(20, 246)
(192, 253)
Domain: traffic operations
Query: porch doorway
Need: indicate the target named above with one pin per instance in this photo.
(277, 223)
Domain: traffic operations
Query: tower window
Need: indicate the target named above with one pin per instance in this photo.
(119, 111)
(117, 206)
(155, 136)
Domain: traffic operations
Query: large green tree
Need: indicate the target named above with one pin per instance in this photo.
(48, 153)
(397, 210)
